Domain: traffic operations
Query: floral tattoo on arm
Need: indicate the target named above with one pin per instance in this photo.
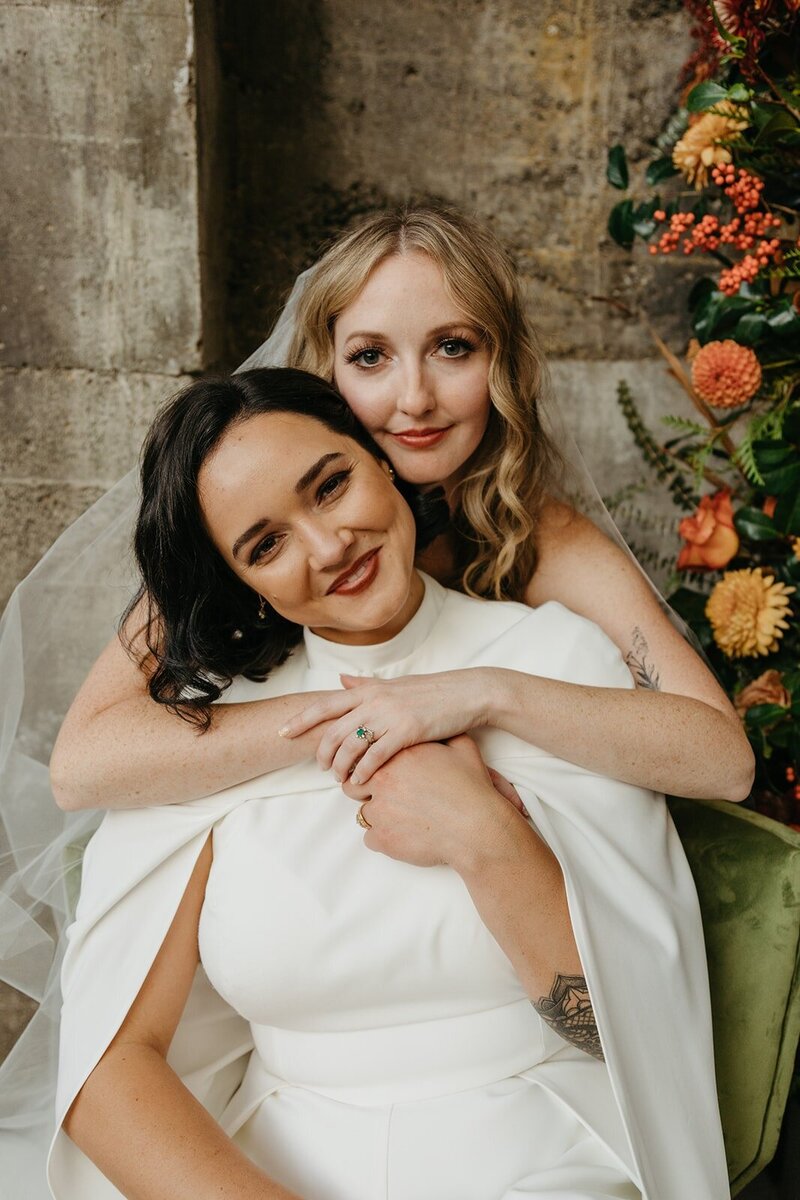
(568, 1010)
(645, 675)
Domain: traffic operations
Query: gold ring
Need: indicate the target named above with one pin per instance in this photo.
(362, 820)
(365, 735)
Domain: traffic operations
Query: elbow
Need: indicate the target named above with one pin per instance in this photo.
(741, 785)
(69, 791)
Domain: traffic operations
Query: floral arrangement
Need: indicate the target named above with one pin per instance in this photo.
(729, 162)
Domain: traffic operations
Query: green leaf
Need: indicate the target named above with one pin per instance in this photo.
(755, 525)
(784, 321)
(776, 126)
(705, 95)
(750, 328)
(617, 167)
(739, 93)
(761, 715)
(690, 605)
(787, 512)
(791, 426)
(660, 168)
(701, 292)
(620, 223)
(720, 312)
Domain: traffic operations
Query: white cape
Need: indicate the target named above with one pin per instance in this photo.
(631, 897)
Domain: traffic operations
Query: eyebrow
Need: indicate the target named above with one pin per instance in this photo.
(303, 482)
(432, 333)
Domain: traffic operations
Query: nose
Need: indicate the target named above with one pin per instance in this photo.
(416, 395)
(327, 544)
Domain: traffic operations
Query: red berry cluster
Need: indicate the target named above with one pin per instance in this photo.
(742, 189)
(742, 232)
(791, 778)
(747, 268)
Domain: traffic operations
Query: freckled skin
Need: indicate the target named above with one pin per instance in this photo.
(427, 368)
(351, 508)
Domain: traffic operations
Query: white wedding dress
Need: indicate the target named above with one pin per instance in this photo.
(394, 1045)
(364, 1037)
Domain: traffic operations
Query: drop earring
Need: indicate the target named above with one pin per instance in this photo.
(262, 609)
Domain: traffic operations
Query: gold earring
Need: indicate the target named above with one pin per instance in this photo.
(262, 609)
(390, 469)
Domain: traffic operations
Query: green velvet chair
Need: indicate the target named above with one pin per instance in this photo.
(747, 871)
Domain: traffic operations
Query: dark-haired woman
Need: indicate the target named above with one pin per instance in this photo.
(438, 1000)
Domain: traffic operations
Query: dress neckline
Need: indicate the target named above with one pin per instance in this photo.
(368, 660)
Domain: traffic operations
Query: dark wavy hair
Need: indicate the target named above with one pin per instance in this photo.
(201, 622)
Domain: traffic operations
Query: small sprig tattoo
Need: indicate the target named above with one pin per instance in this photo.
(646, 676)
(568, 1010)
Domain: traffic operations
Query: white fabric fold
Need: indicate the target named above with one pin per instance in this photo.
(631, 896)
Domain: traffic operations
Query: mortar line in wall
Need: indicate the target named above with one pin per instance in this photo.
(41, 481)
(113, 372)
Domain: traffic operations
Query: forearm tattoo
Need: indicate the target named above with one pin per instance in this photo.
(644, 673)
(568, 1010)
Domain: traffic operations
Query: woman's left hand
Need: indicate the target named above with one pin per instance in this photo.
(438, 804)
(398, 713)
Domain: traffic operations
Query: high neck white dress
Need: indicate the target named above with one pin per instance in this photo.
(386, 1048)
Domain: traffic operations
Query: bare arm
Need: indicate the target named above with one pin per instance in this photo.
(117, 748)
(677, 732)
(135, 1119)
(513, 877)
(517, 887)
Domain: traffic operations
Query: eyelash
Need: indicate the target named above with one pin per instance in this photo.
(462, 342)
(340, 479)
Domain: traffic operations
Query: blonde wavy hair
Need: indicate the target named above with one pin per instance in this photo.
(497, 502)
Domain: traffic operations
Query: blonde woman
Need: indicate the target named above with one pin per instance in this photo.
(417, 318)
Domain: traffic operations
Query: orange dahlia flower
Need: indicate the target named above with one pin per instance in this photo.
(700, 147)
(726, 374)
(711, 540)
(748, 610)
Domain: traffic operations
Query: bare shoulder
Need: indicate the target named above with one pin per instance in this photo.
(583, 569)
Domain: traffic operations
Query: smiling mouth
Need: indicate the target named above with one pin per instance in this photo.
(358, 576)
(421, 437)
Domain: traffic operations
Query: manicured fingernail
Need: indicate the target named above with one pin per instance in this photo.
(284, 732)
(355, 779)
(525, 812)
(337, 777)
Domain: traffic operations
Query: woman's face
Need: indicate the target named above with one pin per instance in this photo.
(414, 369)
(312, 522)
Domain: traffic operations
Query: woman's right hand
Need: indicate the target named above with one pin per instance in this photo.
(397, 713)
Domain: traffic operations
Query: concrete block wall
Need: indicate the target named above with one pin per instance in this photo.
(100, 311)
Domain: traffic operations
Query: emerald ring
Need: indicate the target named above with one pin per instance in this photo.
(366, 735)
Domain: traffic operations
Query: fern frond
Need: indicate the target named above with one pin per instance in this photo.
(654, 454)
(683, 425)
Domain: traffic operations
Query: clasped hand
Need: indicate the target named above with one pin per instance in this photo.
(399, 713)
(438, 804)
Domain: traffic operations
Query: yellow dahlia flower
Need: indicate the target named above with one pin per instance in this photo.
(747, 611)
(699, 149)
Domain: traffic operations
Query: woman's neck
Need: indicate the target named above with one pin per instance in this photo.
(395, 625)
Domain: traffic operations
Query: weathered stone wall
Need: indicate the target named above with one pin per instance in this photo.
(101, 301)
(99, 237)
(137, 251)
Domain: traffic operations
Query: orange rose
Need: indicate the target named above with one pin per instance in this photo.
(767, 689)
(711, 538)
